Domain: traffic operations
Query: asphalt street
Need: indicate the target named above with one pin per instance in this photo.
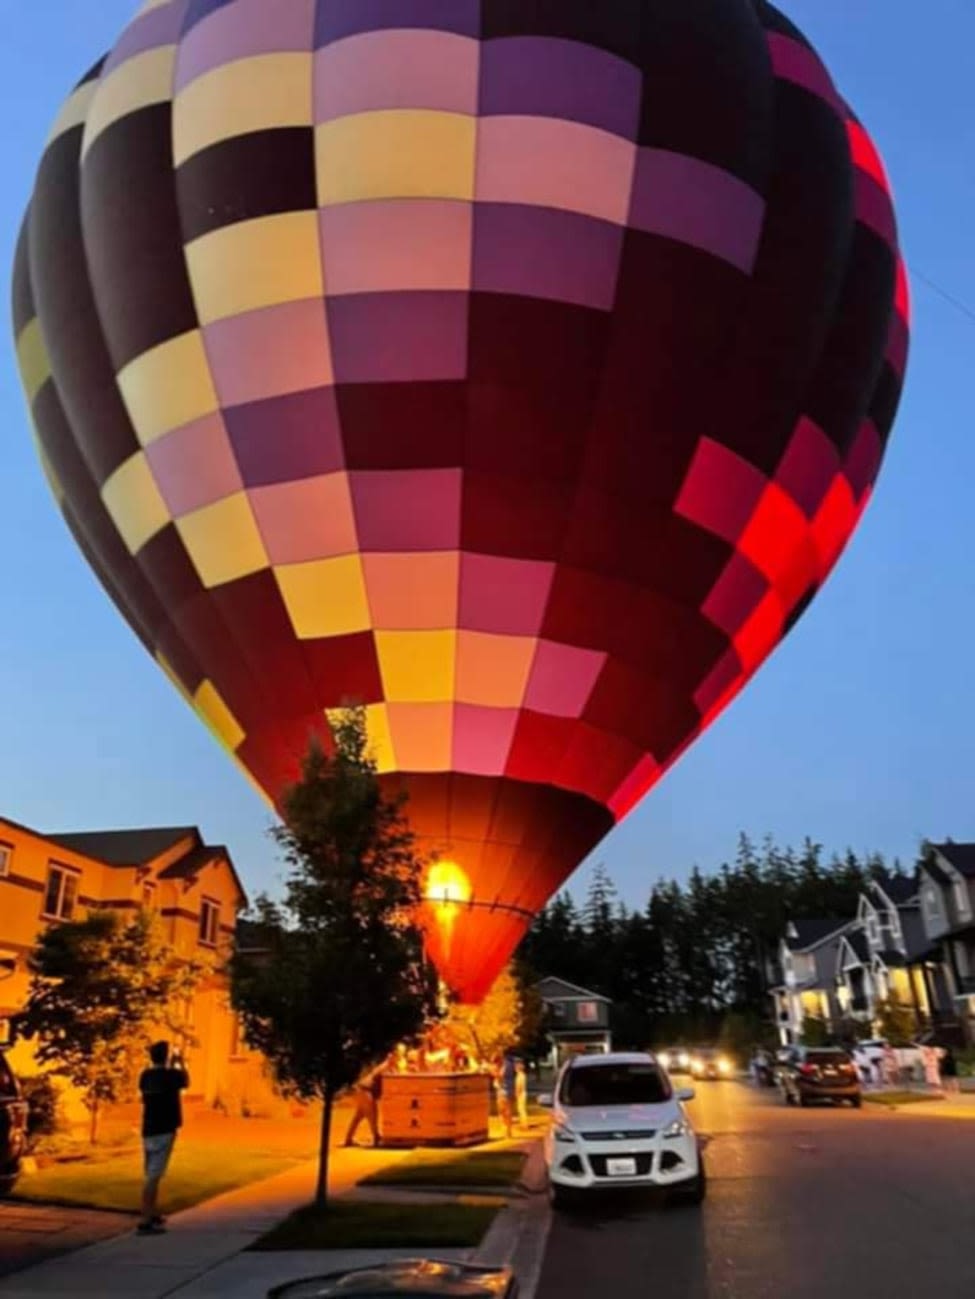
(805, 1203)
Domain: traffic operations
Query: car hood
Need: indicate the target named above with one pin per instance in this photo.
(619, 1118)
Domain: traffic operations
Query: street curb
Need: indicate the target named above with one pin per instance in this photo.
(519, 1234)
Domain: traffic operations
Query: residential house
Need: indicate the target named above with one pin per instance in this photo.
(808, 958)
(576, 1020)
(947, 889)
(908, 940)
(889, 955)
(193, 888)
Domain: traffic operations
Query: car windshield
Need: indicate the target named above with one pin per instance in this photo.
(826, 1057)
(615, 1084)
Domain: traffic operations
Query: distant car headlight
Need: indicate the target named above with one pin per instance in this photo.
(564, 1133)
(679, 1128)
(664, 1058)
(684, 1059)
(697, 1066)
(724, 1065)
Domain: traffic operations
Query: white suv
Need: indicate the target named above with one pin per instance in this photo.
(617, 1122)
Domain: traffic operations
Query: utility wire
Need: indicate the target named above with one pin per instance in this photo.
(942, 293)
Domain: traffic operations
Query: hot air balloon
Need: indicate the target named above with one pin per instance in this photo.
(516, 368)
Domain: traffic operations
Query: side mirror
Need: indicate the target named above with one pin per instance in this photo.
(545, 1100)
(686, 1094)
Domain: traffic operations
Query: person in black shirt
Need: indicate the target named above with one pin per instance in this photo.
(162, 1117)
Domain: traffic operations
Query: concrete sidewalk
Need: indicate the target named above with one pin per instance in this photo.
(203, 1253)
(198, 1240)
(959, 1106)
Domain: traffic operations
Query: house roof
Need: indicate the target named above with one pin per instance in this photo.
(960, 855)
(901, 889)
(931, 867)
(812, 932)
(125, 847)
(858, 941)
(194, 861)
(140, 847)
(555, 989)
(891, 957)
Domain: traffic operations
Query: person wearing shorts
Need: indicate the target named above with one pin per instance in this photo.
(162, 1116)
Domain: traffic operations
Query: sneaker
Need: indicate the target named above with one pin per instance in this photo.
(150, 1229)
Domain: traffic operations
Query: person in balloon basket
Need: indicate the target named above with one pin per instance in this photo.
(162, 1117)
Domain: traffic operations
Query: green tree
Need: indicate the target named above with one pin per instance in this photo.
(99, 989)
(341, 978)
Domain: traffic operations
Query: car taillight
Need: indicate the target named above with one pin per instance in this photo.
(809, 1070)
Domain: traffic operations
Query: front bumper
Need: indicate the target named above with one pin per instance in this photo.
(595, 1165)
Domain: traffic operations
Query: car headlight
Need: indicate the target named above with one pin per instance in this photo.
(564, 1133)
(679, 1128)
(684, 1059)
(664, 1058)
(724, 1066)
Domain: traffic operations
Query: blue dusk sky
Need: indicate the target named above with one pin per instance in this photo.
(858, 732)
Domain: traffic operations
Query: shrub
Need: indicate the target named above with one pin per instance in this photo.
(44, 1106)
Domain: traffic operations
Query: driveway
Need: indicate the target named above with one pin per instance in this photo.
(31, 1233)
(804, 1203)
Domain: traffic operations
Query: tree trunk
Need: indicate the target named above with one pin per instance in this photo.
(321, 1187)
(93, 1126)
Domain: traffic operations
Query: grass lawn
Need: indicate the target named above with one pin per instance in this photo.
(900, 1098)
(358, 1224)
(488, 1169)
(112, 1179)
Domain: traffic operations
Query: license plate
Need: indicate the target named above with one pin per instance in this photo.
(621, 1167)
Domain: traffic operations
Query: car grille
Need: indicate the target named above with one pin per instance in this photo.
(643, 1164)
(631, 1134)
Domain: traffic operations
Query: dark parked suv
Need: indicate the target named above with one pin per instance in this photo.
(13, 1127)
(819, 1073)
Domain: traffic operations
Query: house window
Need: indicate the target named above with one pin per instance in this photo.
(61, 893)
(587, 1012)
(873, 933)
(558, 1010)
(149, 896)
(961, 897)
(6, 857)
(931, 903)
(209, 922)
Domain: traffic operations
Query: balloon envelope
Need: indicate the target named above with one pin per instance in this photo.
(517, 369)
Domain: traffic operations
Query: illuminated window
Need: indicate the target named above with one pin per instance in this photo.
(6, 857)
(209, 922)
(61, 893)
(587, 1012)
